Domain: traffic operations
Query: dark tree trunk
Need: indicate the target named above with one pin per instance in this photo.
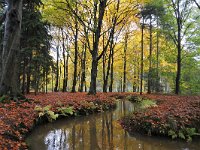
(178, 75)
(97, 27)
(83, 64)
(36, 76)
(28, 76)
(64, 62)
(59, 78)
(198, 5)
(24, 76)
(124, 72)
(157, 60)
(110, 58)
(57, 71)
(138, 75)
(150, 58)
(67, 71)
(112, 69)
(79, 73)
(107, 73)
(104, 65)
(46, 81)
(142, 58)
(93, 75)
(11, 46)
(76, 54)
(52, 89)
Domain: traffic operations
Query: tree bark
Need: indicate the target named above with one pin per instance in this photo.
(112, 69)
(125, 50)
(24, 76)
(11, 47)
(97, 27)
(57, 71)
(157, 60)
(142, 58)
(150, 58)
(178, 75)
(83, 64)
(28, 76)
(64, 62)
(76, 53)
(67, 71)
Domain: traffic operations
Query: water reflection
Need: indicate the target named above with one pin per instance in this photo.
(98, 132)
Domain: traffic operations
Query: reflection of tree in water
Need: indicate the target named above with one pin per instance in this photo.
(94, 132)
(93, 135)
(100, 131)
(56, 140)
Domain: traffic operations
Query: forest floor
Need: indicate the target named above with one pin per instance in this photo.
(174, 116)
(17, 119)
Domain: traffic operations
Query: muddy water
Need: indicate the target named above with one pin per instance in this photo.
(99, 132)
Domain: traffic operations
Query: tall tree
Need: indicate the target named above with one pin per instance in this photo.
(177, 26)
(125, 61)
(9, 83)
(97, 19)
(56, 88)
(142, 56)
(76, 51)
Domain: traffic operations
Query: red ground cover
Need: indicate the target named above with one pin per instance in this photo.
(172, 112)
(17, 119)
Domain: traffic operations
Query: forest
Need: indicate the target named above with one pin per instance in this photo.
(68, 58)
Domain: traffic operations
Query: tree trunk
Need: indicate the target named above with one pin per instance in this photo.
(142, 58)
(52, 89)
(57, 71)
(97, 27)
(150, 58)
(125, 49)
(64, 62)
(67, 71)
(83, 64)
(111, 72)
(76, 54)
(59, 78)
(93, 75)
(157, 61)
(28, 76)
(24, 76)
(11, 48)
(46, 81)
(104, 65)
(107, 73)
(178, 75)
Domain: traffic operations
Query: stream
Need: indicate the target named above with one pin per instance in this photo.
(99, 132)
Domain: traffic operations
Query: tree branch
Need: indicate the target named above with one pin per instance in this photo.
(198, 5)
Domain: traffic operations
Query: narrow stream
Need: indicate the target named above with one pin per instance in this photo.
(99, 132)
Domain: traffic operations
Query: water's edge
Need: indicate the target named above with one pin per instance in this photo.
(98, 131)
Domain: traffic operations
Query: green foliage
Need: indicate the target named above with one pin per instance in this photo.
(65, 111)
(184, 133)
(190, 76)
(172, 134)
(46, 112)
(35, 44)
(2, 98)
